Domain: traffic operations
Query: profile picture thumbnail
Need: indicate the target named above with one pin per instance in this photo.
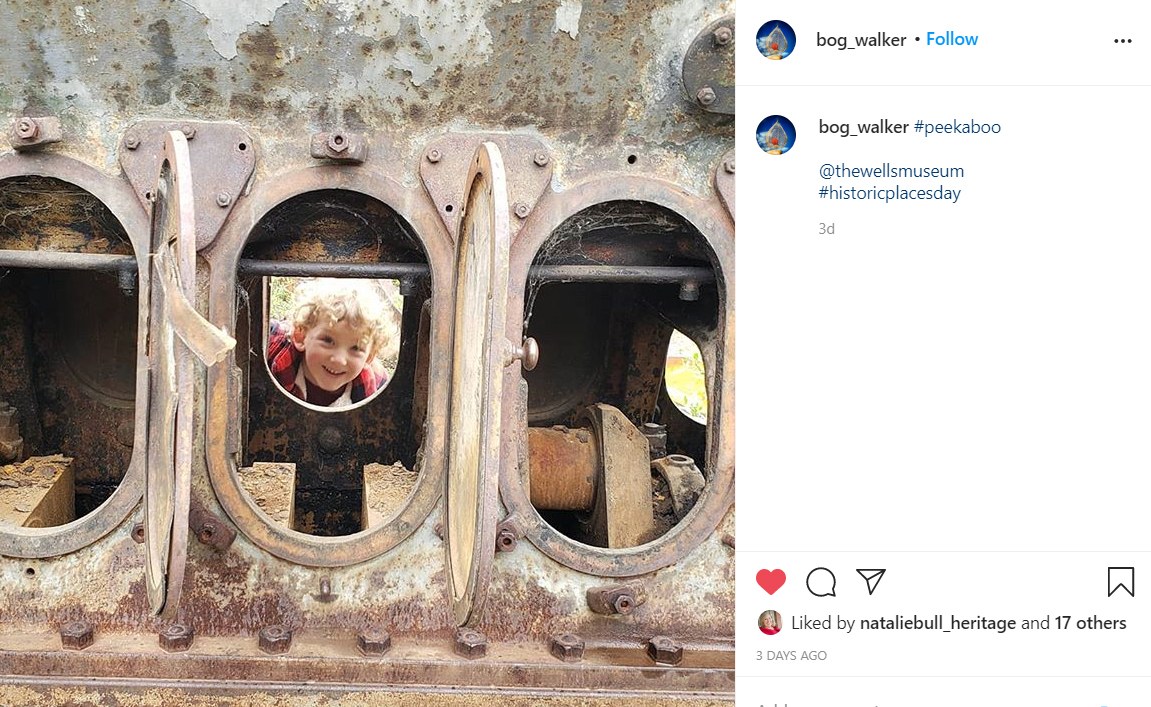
(770, 622)
(775, 135)
(775, 39)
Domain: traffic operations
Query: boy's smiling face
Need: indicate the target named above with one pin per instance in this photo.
(334, 354)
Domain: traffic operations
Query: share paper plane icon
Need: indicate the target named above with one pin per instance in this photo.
(872, 578)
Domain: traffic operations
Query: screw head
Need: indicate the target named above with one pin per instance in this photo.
(330, 440)
(275, 639)
(188, 130)
(138, 533)
(471, 643)
(207, 532)
(541, 158)
(26, 128)
(568, 647)
(132, 141)
(729, 166)
(506, 541)
(722, 36)
(337, 142)
(223, 199)
(175, 638)
(624, 604)
(521, 209)
(374, 641)
(77, 635)
(662, 649)
(705, 96)
(434, 156)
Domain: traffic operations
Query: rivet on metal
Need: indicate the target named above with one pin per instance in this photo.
(374, 641)
(330, 440)
(223, 199)
(77, 635)
(434, 156)
(471, 643)
(705, 96)
(275, 639)
(176, 638)
(541, 159)
(722, 35)
(567, 647)
(521, 209)
(138, 533)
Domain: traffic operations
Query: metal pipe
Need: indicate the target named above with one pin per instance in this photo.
(652, 274)
(50, 260)
(300, 268)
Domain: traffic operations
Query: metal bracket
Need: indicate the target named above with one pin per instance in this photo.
(709, 67)
(223, 159)
(445, 163)
(725, 182)
(208, 527)
(340, 146)
(34, 133)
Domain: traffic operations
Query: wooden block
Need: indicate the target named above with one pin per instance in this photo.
(386, 488)
(272, 485)
(38, 493)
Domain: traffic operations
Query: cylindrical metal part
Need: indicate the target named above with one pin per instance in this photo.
(564, 464)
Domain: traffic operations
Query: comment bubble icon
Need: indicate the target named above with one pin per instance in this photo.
(821, 582)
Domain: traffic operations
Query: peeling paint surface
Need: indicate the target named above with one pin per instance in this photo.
(228, 19)
(567, 17)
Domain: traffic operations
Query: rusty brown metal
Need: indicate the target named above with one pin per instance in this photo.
(11, 443)
(508, 535)
(470, 643)
(725, 182)
(176, 638)
(664, 650)
(568, 647)
(33, 133)
(615, 598)
(77, 635)
(564, 467)
(374, 641)
(222, 156)
(340, 147)
(621, 515)
(117, 196)
(224, 396)
(209, 528)
(448, 158)
(709, 67)
(684, 481)
(656, 438)
(714, 223)
(275, 639)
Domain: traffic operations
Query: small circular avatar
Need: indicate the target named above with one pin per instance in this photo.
(770, 622)
(775, 135)
(775, 40)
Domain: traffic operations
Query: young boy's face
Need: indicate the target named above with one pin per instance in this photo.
(334, 354)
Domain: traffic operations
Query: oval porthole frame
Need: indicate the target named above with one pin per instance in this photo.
(223, 258)
(717, 227)
(117, 196)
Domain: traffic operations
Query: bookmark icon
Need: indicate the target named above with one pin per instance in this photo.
(872, 578)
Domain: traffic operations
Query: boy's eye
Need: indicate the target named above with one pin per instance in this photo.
(326, 339)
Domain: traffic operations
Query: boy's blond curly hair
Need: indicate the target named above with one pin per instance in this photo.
(327, 300)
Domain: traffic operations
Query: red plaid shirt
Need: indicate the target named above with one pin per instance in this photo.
(284, 361)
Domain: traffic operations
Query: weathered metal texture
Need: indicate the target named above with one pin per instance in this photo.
(725, 181)
(222, 156)
(684, 480)
(340, 147)
(615, 598)
(709, 67)
(209, 528)
(33, 133)
(224, 396)
(716, 227)
(621, 516)
(564, 464)
(83, 416)
(444, 169)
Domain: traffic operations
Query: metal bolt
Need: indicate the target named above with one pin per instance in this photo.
(729, 166)
(374, 641)
(522, 210)
(439, 530)
(223, 199)
(188, 130)
(138, 533)
(408, 286)
(176, 638)
(131, 141)
(126, 279)
(470, 643)
(568, 647)
(325, 594)
(77, 635)
(705, 96)
(662, 649)
(506, 540)
(729, 540)
(330, 440)
(541, 159)
(722, 36)
(434, 156)
(337, 142)
(623, 604)
(681, 460)
(656, 438)
(207, 533)
(27, 128)
(126, 433)
(275, 639)
(689, 291)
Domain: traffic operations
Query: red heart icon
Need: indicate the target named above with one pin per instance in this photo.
(770, 580)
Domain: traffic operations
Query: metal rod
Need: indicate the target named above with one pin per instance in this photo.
(49, 260)
(289, 268)
(654, 274)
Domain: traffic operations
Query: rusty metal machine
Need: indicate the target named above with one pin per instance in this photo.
(522, 513)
